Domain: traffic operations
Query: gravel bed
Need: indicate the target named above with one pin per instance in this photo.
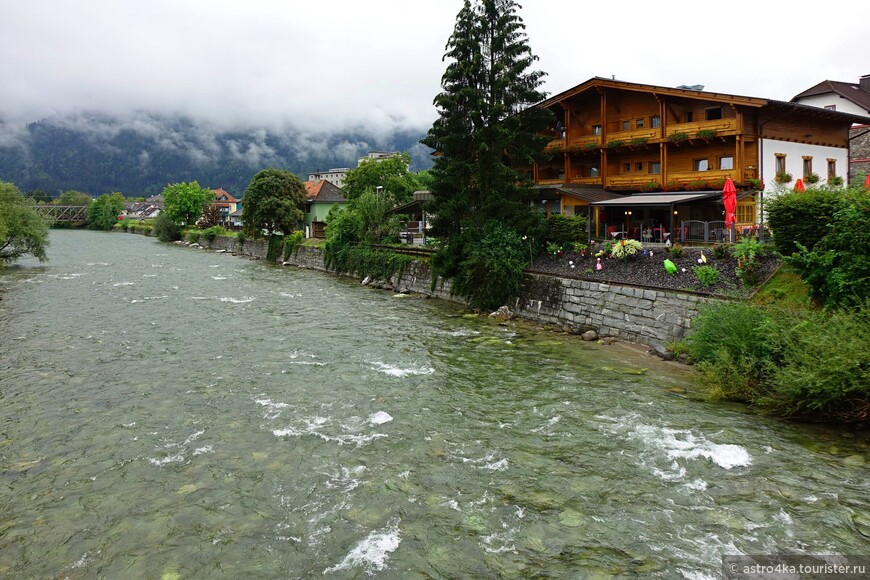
(648, 270)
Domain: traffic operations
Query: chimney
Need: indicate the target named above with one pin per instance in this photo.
(864, 83)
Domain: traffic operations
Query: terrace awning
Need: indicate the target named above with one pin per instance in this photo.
(665, 199)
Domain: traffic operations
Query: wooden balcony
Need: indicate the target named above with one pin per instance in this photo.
(581, 141)
(723, 127)
(631, 181)
(555, 146)
(686, 177)
(586, 180)
(628, 136)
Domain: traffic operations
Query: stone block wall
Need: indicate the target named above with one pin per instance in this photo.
(634, 314)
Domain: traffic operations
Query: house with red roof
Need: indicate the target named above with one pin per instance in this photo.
(226, 203)
(322, 196)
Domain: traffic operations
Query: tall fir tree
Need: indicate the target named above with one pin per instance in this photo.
(486, 133)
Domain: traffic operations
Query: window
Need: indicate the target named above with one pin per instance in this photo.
(596, 129)
(745, 213)
(638, 166)
(655, 167)
(831, 107)
(780, 163)
(808, 167)
(638, 124)
(726, 162)
(832, 169)
(713, 114)
(555, 206)
(626, 167)
(700, 164)
(593, 171)
(655, 121)
(626, 125)
(688, 116)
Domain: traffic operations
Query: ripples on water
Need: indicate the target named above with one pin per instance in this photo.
(174, 413)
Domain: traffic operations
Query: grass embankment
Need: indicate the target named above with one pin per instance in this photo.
(784, 355)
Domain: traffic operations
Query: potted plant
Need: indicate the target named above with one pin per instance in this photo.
(697, 185)
(813, 178)
(836, 181)
(757, 184)
(706, 134)
(616, 143)
(678, 137)
(590, 147)
(639, 141)
(650, 186)
(783, 177)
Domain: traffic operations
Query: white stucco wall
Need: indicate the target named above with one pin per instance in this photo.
(843, 105)
(794, 162)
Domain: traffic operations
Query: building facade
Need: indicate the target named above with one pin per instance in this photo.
(334, 176)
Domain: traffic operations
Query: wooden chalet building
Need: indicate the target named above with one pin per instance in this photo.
(633, 155)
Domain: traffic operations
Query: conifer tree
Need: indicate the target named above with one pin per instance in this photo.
(487, 131)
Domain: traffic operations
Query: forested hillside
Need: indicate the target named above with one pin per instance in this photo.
(141, 155)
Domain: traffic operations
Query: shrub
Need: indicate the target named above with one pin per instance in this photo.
(240, 237)
(834, 387)
(721, 250)
(624, 249)
(193, 234)
(212, 232)
(801, 217)
(565, 230)
(736, 349)
(292, 243)
(837, 269)
(490, 274)
(366, 261)
(276, 245)
(165, 229)
(748, 253)
(707, 275)
(676, 250)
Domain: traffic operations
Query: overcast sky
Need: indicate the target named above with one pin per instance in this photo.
(336, 64)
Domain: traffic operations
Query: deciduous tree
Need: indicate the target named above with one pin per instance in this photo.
(391, 175)
(22, 230)
(183, 202)
(273, 202)
(103, 212)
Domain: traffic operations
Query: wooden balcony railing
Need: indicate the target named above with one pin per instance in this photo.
(627, 136)
(633, 181)
(721, 126)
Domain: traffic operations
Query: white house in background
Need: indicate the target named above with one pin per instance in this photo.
(379, 156)
(334, 176)
(847, 98)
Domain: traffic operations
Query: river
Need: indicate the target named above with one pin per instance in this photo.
(172, 413)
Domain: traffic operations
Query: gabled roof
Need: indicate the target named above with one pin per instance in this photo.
(588, 193)
(222, 195)
(596, 83)
(849, 91)
(601, 82)
(323, 191)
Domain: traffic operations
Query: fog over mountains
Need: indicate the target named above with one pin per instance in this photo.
(140, 154)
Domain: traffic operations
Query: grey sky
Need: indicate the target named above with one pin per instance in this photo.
(335, 64)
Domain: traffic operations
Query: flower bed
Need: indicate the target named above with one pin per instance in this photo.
(647, 269)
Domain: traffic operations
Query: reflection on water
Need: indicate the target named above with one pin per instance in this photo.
(174, 413)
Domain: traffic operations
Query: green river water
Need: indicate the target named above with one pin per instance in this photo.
(173, 413)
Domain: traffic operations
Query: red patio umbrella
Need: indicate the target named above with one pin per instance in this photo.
(729, 199)
(867, 182)
(799, 185)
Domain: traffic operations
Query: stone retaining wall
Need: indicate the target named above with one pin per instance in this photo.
(644, 315)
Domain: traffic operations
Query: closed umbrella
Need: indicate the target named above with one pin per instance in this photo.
(867, 182)
(729, 199)
(799, 185)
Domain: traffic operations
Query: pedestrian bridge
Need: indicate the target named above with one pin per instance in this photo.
(63, 213)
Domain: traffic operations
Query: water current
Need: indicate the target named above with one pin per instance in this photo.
(174, 413)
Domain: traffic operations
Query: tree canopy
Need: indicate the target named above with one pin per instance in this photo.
(103, 212)
(273, 202)
(392, 175)
(183, 202)
(22, 230)
(486, 134)
(72, 197)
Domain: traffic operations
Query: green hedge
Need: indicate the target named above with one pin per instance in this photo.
(802, 217)
(565, 230)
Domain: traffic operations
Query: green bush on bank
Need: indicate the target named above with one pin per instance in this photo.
(364, 261)
(804, 365)
(565, 230)
(801, 217)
